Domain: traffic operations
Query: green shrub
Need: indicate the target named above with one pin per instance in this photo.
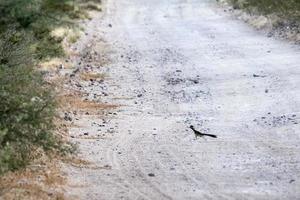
(26, 117)
(27, 103)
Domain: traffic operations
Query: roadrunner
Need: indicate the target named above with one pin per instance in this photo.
(199, 134)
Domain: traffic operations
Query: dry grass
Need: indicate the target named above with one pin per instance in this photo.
(53, 64)
(80, 163)
(92, 76)
(73, 36)
(41, 180)
(74, 102)
(91, 6)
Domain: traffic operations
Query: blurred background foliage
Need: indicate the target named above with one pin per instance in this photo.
(289, 9)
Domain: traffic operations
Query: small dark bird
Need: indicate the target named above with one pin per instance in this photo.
(199, 134)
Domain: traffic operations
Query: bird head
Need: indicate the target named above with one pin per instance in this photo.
(191, 126)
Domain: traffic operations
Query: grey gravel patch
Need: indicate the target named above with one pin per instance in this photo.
(277, 121)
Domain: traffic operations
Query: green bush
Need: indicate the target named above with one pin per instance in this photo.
(26, 116)
(27, 103)
(27, 107)
(37, 18)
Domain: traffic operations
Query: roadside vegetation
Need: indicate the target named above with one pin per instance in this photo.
(279, 18)
(27, 102)
(288, 9)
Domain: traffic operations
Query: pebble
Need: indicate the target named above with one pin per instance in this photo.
(292, 180)
(67, 117)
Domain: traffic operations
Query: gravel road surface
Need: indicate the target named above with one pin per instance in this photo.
(169, 64)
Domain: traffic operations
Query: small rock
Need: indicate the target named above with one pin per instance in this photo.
(139, 95)
(151, 175)
(292, 180)
(78, 85)
(256, 76)
(86, 134)
(67, 117)
(266, 91)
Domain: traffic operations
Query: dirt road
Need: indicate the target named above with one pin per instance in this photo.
(176, 63)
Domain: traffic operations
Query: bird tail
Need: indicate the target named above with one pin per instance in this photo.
(210, 135)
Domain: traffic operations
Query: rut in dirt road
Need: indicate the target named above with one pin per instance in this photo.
(178, 63)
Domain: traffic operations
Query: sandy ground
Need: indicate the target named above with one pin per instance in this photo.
(175, 63)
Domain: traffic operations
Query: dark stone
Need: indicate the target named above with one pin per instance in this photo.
(67, 117)
(292, 180)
